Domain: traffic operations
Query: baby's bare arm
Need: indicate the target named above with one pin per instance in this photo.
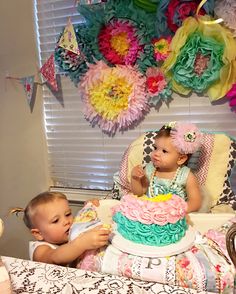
(139, 181)
(193, 193)
(67, 253)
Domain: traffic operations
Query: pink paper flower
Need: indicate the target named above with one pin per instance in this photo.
(118, 42)
(161, 48)
(231, 95)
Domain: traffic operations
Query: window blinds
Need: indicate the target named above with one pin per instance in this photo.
(81, 156)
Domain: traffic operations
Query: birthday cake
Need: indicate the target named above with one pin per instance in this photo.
(158, 221)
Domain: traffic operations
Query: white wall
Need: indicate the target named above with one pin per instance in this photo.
(23, 159)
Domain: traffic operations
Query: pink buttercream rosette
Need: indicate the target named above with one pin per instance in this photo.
(148, 212)
(186, 137)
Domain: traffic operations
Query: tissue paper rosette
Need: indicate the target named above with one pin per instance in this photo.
(231, 95)
(119, 34)
(158, 88)
(114, 97)
(118, 42)
(171, 14)
(147, 5)
(226, 9)
(202, 59)
(161, 47)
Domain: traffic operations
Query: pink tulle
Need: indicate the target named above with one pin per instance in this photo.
(186, 137)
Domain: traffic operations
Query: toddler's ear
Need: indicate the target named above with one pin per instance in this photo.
(182, 159)
(37, 235)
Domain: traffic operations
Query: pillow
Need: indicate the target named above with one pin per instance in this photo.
(212, 165)
(215, 165)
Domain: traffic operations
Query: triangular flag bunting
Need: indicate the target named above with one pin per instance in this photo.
(28, 84)
(48, 71)
(68, 39)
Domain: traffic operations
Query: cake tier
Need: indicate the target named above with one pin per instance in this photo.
(170, 210)
(150, 234)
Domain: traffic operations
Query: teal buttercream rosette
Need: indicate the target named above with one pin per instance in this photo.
(150, 234)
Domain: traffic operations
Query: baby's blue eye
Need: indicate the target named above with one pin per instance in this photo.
(68, 214)
(55, 221)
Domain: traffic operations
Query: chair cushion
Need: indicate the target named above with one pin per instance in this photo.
(212, 165)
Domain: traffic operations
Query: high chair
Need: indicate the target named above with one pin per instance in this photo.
(212, 165)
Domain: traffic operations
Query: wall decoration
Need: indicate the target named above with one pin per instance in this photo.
(114, 32)
(68, 39)
(48, 72)
(114, 97)
(171, 14)
(202, 59)
(147, 5)
(231, 95)
(169, 45)
(28, 84)
(158, 89)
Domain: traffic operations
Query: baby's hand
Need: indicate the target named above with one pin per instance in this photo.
(138, 173)
(96, 237)
(94, 201)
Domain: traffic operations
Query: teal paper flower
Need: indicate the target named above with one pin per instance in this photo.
(199, 62)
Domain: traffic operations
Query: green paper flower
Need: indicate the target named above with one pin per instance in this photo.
(190, 70)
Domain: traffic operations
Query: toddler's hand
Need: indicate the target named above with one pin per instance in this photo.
(94, 201)
(96, 237)
(138, 173)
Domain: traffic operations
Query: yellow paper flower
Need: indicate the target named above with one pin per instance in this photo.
(217, 75)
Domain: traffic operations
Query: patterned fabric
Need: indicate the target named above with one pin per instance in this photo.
(204, 158)
(33, 277)
(216, 161)
(228, 196)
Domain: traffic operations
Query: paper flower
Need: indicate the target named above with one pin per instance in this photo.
(147, 5)
(161, 48)
(157, 86)
(114, 97)
(119, 34)
(171, 14)
(118, 42)
(231, 95)
(201, 59)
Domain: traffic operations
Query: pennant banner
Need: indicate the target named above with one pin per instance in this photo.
(28, 84)
(48, 71)
(68, 39)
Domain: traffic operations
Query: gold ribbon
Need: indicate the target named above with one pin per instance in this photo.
(219, 20)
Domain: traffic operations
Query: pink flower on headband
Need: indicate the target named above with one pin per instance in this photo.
(186, 137)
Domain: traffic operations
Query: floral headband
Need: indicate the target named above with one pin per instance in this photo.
(186, 137)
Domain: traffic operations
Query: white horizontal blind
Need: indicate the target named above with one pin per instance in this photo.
(82, 156)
